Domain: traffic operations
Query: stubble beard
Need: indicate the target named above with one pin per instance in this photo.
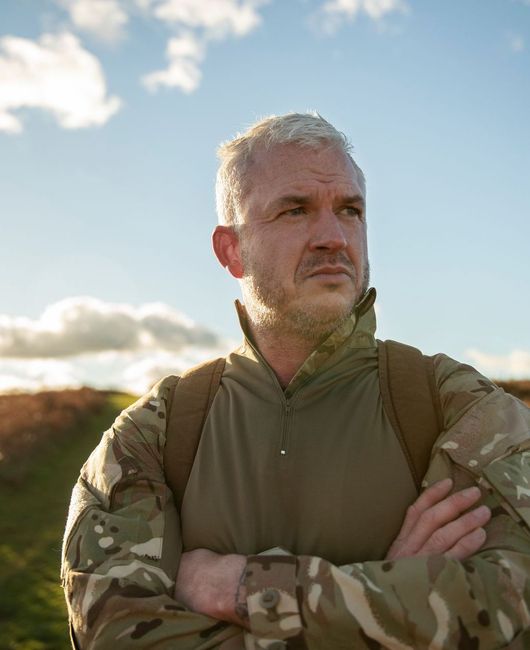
(271, 312)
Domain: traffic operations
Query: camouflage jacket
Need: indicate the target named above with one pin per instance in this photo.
(124, 537)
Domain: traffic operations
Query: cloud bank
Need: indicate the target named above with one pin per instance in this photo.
(86, 341)
(85, 325)
(57, 75)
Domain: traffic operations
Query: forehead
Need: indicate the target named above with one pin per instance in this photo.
(291, 167)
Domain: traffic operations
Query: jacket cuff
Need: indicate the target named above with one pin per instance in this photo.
(274, 612)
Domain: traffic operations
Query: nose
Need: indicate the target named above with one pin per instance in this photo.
(327, 233)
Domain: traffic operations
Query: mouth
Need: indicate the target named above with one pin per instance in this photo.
(331, 271)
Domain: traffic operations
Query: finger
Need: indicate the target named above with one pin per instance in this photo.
(432, 495)
(438, 515)
(426, 500)
(445, 538)
(467, 545)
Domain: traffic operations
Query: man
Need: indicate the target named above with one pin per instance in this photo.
(301, 526)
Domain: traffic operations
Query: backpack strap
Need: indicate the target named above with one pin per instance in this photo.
(411, 402)
(188, 405)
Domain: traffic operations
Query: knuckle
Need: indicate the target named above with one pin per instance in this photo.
(438, 540)
(467, 495)
(457, 502)
(469, 544)
(429, 517)
(464, 547)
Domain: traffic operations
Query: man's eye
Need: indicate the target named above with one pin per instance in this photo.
(293, 212)
(351, 211)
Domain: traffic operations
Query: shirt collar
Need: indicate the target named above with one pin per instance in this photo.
(358, 331)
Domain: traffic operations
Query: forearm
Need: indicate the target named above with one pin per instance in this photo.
(214, 585)
(134, 618)
(411, 603)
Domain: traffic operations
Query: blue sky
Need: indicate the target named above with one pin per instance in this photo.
(110, 115)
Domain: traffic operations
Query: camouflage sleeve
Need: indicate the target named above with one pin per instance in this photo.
(122, 545)
(431, 603)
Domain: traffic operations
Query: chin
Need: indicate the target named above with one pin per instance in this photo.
(327, 312)
(333, 306)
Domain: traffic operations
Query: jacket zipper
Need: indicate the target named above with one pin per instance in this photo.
(286, 428)
(286, 424)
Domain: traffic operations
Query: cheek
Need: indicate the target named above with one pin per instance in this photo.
(358, 246)
(357, 253)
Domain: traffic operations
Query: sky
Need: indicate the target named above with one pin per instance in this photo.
(111, 112)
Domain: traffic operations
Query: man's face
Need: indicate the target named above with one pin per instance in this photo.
(303, 239)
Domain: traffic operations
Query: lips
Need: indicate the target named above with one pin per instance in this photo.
(331, 270)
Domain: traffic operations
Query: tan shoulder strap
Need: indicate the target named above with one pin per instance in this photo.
(411, 402)
(188, 406)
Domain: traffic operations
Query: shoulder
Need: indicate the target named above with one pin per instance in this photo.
(149, 412)
(472, 401)
(133, 446)
(482, 423)
(460, 387)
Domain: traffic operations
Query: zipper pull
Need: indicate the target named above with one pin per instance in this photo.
(283, 451)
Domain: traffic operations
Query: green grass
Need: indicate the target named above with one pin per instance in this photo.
(32, 517)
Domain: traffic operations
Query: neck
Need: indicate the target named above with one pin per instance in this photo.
(284, 352)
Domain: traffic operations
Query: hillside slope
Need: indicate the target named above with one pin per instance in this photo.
(32, 517)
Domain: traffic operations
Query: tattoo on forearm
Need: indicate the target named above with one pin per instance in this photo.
(241, 607)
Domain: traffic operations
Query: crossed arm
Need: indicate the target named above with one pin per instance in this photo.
(436, 523)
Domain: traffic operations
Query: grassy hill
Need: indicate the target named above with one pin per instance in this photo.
(36, 479)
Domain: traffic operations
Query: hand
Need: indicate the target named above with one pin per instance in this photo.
(434, 524)
(213, 584)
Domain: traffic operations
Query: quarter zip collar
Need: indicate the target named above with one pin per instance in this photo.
(358, 331)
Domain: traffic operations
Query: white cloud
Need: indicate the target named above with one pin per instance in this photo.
(184, 53)
(333, 12)
(85, 325)
(514, 365)
(218, 18)
(54, 74)
(197, 23)
(85, 341)
(105, 19)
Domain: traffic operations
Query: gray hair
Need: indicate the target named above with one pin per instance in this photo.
(304, 129)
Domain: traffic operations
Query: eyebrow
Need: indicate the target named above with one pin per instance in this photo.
(355, 198)
(302, 199)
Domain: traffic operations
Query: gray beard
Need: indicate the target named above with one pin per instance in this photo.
(269, 311)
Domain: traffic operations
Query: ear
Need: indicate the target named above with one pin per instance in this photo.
(226, 246)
